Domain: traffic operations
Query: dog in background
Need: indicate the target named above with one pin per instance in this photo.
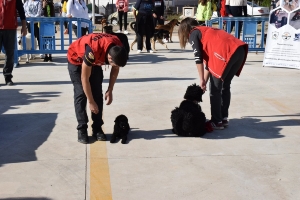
(121, 129)
(169, 27)
(159, 35)
(188, 119)
(28, 46)
(103, 23)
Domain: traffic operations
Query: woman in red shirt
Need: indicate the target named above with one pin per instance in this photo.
(218, 56)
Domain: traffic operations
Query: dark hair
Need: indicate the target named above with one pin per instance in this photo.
(119, 55)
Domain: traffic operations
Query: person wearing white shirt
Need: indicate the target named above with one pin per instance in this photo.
(33, 8)
(78, 8)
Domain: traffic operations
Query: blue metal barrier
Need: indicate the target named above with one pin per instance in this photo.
(225, 23)
(47, 35)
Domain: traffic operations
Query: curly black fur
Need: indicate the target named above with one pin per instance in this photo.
(188, 119)
(121, 129)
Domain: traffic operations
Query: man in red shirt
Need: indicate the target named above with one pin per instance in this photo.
(8, 26)
(85, 57)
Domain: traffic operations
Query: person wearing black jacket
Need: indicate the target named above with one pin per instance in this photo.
(8, 26)
(144, 23)
(236, 8)
(159, 11)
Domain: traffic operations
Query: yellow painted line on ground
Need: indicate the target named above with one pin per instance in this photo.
(100, 187)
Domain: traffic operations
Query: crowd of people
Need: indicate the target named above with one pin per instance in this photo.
(89, 53)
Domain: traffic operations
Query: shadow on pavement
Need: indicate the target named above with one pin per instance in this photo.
(253, 128)
(21, 134)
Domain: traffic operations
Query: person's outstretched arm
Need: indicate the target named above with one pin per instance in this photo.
(112, 80)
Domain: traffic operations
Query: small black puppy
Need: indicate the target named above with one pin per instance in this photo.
(121, 129)
(188, 119)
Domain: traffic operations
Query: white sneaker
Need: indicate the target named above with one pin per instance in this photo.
(42, 56)
(139, 51)
(125, 32)
(150, 51)
(119, 31)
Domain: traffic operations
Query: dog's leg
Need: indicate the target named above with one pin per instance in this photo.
(27, 58)
(133, 43)
(153, 44)
(144, 42)
(164, 44)
(113, 139)
(124, 139)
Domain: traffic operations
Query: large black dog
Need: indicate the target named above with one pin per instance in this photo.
(188, 119)
(121, 129)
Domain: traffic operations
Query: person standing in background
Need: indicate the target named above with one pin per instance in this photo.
(48, 11)
(160, 12)
(33, 8)
(64, 14)
(122, 7)
(8, 26)
(77, 8)
(204, 11)
(236, 8)
(144, 23)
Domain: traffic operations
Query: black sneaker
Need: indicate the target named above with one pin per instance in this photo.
(9, 82)
(50, 59)
(217, 126)
(46, 59)
(83, 136)
(99, 135)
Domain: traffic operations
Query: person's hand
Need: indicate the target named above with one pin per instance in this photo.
(44, 3)
(108, 97)
(154, 15)
(94, 107)
(24, 30)
(203, 85)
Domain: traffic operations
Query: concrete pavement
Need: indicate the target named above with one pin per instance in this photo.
(256, 157)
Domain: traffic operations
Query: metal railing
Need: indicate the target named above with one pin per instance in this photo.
(225, 23)
(47, 36)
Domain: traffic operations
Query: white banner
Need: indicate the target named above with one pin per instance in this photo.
(283, 38)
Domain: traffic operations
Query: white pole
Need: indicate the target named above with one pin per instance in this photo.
(93, 12)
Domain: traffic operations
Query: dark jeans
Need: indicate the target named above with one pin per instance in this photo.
(84, 31)
(8, 40)
(80, 99)
(36, 30)
(220, 90)
(240, 27)
(121, 14)
(144, 27)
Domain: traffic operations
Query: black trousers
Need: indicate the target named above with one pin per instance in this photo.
(84, 31)
(80, 99)
(36, 30)
(121, 14)
(8, 40)
(144, 27)
(220, 94)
